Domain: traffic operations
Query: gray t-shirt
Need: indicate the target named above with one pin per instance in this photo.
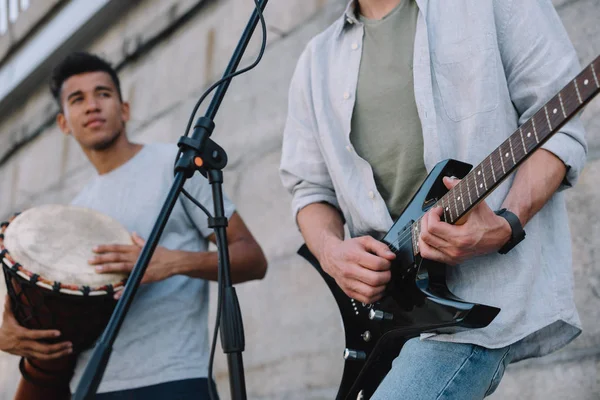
(386, 130)
(165, 335)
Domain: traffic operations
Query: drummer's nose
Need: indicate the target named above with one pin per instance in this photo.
(92, 105)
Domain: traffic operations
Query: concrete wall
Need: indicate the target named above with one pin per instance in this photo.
(293, 334)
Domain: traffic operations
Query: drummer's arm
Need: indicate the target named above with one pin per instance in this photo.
(245, 256)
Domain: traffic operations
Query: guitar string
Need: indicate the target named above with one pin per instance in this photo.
(407, 236)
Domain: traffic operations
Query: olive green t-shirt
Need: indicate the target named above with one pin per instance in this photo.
(386, 130)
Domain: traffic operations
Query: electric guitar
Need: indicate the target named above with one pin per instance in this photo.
(417, 299)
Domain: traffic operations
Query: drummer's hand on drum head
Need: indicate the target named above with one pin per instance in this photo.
(121, 258)
(17, 340)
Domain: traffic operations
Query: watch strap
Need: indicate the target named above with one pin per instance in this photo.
(517, 231)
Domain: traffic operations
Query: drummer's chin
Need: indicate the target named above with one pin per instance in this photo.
(106, 143)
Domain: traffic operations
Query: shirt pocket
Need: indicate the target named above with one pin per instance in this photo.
(466, 76)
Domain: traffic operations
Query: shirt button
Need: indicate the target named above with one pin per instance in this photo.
(349, 21)
(346, 95)
(371, 194)
(354, 46)
(349, 149)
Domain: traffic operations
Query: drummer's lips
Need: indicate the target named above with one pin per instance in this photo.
(94, 123)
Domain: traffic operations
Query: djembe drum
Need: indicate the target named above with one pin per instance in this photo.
(44, 253)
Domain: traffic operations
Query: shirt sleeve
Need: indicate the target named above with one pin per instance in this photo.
(303, 169)
(539, 60)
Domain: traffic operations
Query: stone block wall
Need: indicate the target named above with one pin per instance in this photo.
(293, 331)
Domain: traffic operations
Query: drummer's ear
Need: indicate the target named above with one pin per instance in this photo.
(61, 121)
(125, 111)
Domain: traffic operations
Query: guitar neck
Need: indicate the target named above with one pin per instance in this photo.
(530, 136)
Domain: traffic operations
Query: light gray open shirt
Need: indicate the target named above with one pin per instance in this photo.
(481, 68)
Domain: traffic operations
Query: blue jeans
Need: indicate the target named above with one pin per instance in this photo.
(188, 389)
(432, 370)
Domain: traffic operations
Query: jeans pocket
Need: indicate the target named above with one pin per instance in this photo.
(466, 75)
(504, 361)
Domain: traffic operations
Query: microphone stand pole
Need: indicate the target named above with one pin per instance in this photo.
(199, 152)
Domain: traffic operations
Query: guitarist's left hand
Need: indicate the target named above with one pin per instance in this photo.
(483, 232)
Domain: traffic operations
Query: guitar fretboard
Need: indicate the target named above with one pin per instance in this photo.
(496, 167)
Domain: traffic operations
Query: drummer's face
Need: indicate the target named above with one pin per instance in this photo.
(92, 110)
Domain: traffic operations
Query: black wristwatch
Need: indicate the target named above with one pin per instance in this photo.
(517, 235)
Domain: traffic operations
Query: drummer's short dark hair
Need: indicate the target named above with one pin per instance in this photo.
(78, 63)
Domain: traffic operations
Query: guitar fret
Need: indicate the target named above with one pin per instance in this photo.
(523, 141)
(507, 154)
(460, 197)
(444, 209)
(501, 160)
(449, 208)
(511, 150)
(595, 76)
(577, 90)
(562, 107)
(537, 140)
(456, 206)
(469, 190)
(476, 186)
(483, 175)
(547, 118)
(492, 167)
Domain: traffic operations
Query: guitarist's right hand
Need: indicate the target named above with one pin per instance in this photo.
(360, 266)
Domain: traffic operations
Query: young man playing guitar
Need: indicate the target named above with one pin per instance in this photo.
(381, 96)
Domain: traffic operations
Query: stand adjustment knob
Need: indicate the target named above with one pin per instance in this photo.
(350, 354)
(378, 315)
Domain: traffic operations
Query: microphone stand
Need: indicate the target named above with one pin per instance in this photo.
(198, 152)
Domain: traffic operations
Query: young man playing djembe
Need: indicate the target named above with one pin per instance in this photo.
(163, 345)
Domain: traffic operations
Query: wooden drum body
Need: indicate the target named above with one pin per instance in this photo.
(44, 253)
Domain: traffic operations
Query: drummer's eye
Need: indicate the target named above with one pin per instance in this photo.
(76, 100)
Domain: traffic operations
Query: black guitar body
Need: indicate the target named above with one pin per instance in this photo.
(417, 299)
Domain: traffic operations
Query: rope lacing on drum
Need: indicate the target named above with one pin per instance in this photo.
(3, 253)
(110, 290)
(34, 278)
(56, 286)
(16, 267)
(86, 290)
(4, 224)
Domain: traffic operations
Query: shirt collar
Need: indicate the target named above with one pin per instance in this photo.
(350, 13)
(349, 17)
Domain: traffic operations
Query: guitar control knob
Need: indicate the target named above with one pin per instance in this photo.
(378, 315)
(350, 354)
(366, 336)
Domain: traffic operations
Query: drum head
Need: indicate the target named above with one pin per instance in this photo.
(56, 241)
